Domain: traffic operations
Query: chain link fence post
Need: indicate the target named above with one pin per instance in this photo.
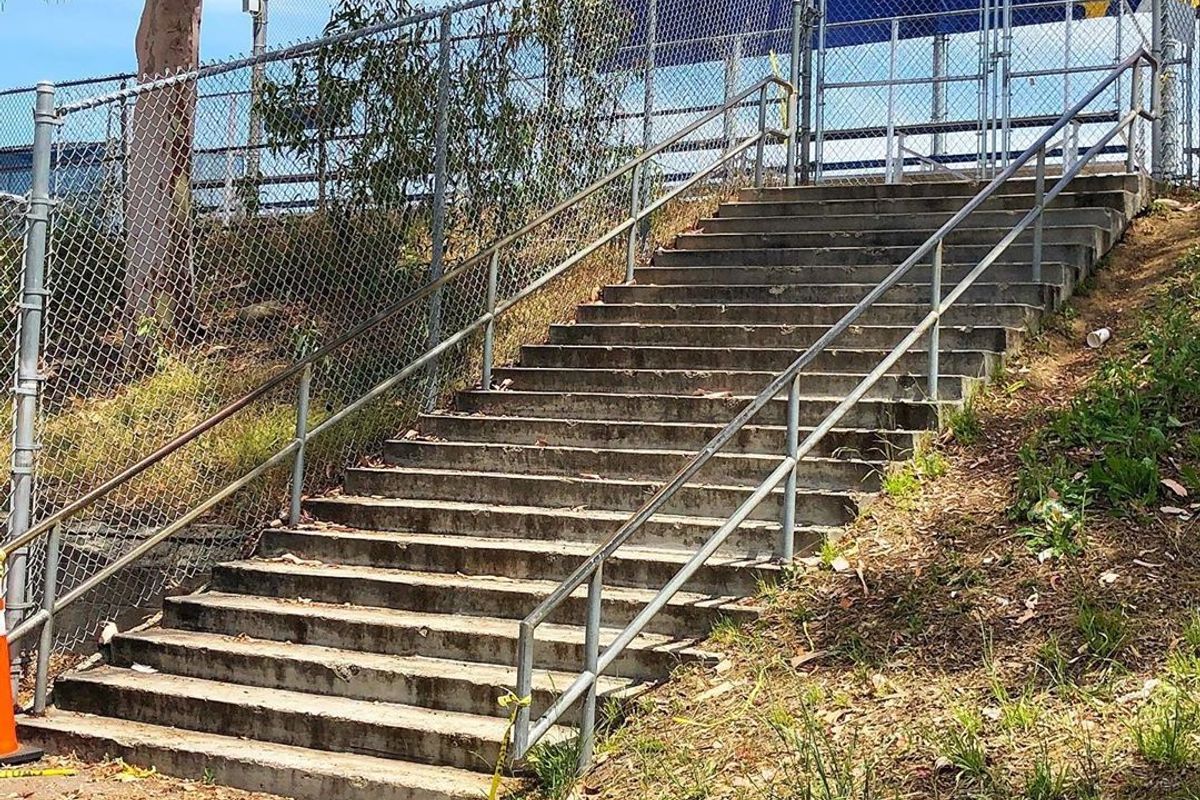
(437, 263)
(27, 387)
(1157, 19)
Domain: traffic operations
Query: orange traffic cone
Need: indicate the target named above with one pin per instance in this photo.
(11, 751)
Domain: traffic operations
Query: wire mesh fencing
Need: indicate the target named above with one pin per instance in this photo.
(211, 228)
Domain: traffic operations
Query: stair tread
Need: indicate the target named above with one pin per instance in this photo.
(572, 479)
(617, 517)
(750, 458)
(808, 398)
(442, 780)
(548, 546)
(290, 701)
(501, 675)
(657, 423)
(458, 581)
(462, 623)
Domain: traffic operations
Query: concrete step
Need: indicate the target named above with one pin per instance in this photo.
(1057, 274)
(1084, 184)
(925, 222)
(870, 444)
(1029, 294)
(1092, 236)
(440, 684)
(718, 382)
(845, 360)
(798, 337)
(730, 468)
(889, 414)
(449, 636)
(263, 766)
(768, 251)
(519, 559)
(297, 719)
(1007, 316)
(754, 538)
(814, 507)
(687, 614)
(1124, 203)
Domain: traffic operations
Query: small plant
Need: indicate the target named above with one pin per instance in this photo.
(1105, 630)
(1057, 531)
(813, 766)
(903, 482)
(727, 632)
(1191, 632)
(1165, 730)
(830, 552)
(1019, 713)
(555, 767)
(1052, 659)
(962, 745)
(1046, 781)
(965, 424)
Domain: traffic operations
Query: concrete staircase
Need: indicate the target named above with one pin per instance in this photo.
(362, 657)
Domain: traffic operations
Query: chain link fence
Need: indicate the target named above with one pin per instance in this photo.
(210, 229)
(959, 87)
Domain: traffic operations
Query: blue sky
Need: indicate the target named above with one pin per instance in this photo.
(63, 39)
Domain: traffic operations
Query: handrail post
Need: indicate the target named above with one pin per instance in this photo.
(1135, 129)
(591, 645)
(760, 150)
(935, 333)
(635, 205)
(1039, 203)
(787, 533)
(28, 380)
(489, 333)
(524, 688)
(46, 642)
(302, 405)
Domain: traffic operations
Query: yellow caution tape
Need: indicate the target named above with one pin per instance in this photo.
(49, 772)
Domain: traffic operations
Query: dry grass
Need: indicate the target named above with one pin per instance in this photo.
(949, 661)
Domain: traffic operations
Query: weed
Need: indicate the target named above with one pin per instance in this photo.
(830, 551)
(965, 424)
(1018, 713)
(1165, 730)
(727, 632)
(962, 745)
(815, 767)
(1105, 629)
(1191, 632)
(555, 767)
(1046, 781)
(1052, 659)
(903, 482)
(1057, 532)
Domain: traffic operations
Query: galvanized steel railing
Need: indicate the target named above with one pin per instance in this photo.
(301, 371)
(591, 571)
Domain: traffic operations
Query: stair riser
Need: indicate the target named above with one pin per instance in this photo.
(247, 774)
(924, 223)
(856, 362)
(1125, 204)
(478, 646)
(1005, 316)
(1040, 296)
(1087, 236)
(898, 387)
(1057, 274)
(774, 252)
(1082, 186)
(798, 337)
(292, 727)
(700, 501)
(745, 541)
(874, 445)
(639, 464)
(450, 558)
(503, 601)
(445, 692)
(886, 414)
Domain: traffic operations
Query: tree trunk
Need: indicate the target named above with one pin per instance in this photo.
(160, 281)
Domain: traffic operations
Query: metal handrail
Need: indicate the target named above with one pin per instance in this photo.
(527, 733)
(629, 226)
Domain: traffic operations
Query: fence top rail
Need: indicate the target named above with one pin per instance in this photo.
(654, 504)
(281, 54)
(367, 325)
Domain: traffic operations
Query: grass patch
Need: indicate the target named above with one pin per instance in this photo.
(1124, 441)
(1166, 729)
